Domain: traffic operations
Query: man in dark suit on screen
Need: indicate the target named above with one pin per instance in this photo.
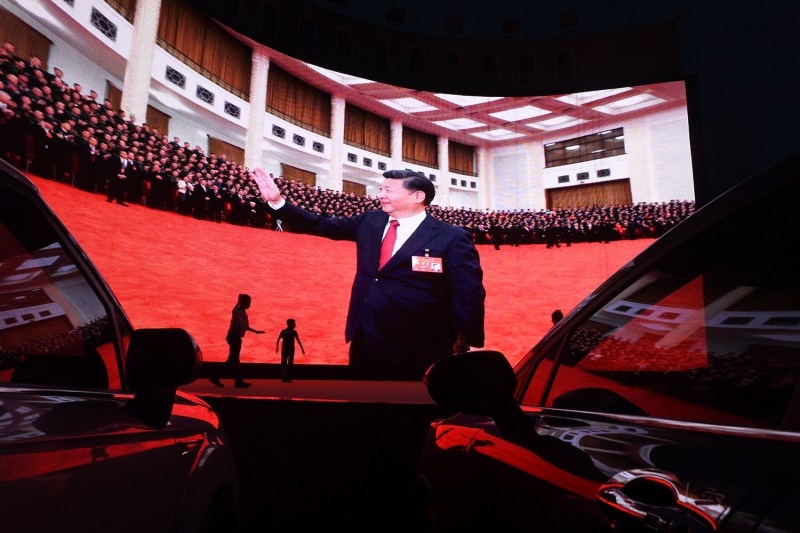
(425, 302)
(116, 174)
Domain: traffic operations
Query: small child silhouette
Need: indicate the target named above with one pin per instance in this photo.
(288, 335)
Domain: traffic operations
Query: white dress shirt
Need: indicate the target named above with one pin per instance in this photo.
(407, 226)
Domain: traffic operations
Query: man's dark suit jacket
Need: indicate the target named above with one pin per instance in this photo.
(112, 168)
(201, 200)
(89, 168)
(414, 315)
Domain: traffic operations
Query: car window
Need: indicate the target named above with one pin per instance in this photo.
(54, 330)
(710, 334)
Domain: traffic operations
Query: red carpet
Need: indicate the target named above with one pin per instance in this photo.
(170, 270)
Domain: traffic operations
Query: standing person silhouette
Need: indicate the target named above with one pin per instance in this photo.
(496, 235)
(416, 293)
(240, 324)
(288, 335)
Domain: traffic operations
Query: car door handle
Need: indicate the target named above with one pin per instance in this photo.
(186, 447)
(648, 499)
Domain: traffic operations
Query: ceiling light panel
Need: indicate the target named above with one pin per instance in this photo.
(630, 104)
(344, 79)
(465, 101)
(459, 123)
(497, 135)
(590, 96)
(408, 105)
(519, 113)
(556, 123)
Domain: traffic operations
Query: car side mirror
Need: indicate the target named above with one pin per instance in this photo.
(479, 382)
(158, 362)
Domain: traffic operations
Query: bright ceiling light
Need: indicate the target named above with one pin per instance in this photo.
(497, 135)
(590, 96)
(344, 79)
(459, 123)
(630, 104)
(408, 105)
(556, 123)
(520, 113)
(465, 101)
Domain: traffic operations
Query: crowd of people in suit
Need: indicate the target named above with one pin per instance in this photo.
(56, 131)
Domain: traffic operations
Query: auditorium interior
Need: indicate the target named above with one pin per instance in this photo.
(513, 110)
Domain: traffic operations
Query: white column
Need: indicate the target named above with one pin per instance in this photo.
(396, 144)
(486, 178)
(334, 179)
(139, 70)
(443, 179)
(254, 138)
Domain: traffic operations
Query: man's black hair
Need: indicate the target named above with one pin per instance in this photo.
(413, 181)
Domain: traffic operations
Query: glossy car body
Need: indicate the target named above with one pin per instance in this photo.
(94, 436)
(668, 400)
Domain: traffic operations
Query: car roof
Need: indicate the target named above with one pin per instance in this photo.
(15, 178)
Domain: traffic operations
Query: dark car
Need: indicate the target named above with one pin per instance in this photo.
(668, 400)
(94, 436)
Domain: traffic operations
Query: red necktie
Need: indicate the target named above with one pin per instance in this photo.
(387, 246)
